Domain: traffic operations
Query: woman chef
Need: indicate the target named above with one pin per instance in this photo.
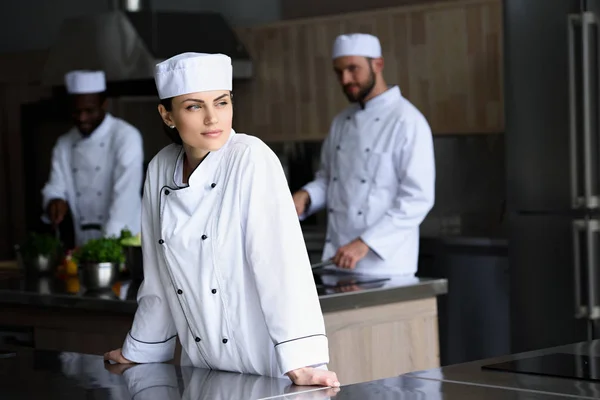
(225, 264)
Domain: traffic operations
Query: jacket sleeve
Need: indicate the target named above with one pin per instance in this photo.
(317, 189)
(415, 194)
(124, 211)
(56, 187)
(279, 263)
(152, 336)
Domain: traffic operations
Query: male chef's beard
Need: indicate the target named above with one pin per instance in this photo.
(365, 90)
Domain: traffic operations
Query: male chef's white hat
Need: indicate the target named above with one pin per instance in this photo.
(357, 44)
(193, 72)
(85, 82)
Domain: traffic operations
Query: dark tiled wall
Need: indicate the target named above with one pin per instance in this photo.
(469, 183)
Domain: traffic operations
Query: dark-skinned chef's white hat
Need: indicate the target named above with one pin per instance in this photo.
(193, 72)
(85, 82)
(356, 44)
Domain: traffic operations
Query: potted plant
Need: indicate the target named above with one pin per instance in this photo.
(40, 252)
(98, 262)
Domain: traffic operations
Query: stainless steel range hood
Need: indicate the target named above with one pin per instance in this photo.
(128, 44)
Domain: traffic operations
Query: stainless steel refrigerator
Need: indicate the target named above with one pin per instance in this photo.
(552, 106)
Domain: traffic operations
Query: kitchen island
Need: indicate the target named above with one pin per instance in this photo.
(41, 374)
(376, 329)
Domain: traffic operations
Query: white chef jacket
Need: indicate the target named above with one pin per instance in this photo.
(225, 266)
(100, 177)
(377, 179)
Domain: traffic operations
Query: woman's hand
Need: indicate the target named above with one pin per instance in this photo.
(313, 377)
(117, 357)
(117, 369)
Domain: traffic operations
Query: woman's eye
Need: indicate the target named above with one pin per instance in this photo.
(193, 107)
(222, 104)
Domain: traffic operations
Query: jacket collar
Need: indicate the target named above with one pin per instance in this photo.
(196, 174)
(101, 131)
(390, 96)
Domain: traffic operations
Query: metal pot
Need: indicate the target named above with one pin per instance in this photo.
(98, 276)
(41, 264)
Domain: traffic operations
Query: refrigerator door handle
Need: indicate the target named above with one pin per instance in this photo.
(587, 19)
(581, 310)
(587, 199)
(573, 19)
(592, 229)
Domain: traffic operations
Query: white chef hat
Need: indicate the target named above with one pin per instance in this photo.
(85, 82)
(193, 72)
(357, 44)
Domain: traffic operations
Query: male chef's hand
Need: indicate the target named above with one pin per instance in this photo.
(117, 357)
(301, 201)
(347, 256)
(57, 209)
(313, 377)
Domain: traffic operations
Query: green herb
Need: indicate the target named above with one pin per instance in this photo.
(125, 233)
(38, 244)
(100, 250)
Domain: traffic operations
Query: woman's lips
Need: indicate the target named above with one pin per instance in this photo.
(212, 134)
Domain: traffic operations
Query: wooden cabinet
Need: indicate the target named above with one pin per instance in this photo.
(384, 341)
(291, 9)
(446, 57)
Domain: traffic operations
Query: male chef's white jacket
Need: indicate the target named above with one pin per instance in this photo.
(225, 266)
(100, 177)
(377, 180)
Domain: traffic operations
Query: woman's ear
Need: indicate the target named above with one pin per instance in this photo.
(166, 116)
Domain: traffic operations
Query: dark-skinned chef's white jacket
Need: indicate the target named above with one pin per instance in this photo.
(225, 266)
(100, 176)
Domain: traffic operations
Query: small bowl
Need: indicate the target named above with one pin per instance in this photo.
(41, 264)
(98, 276)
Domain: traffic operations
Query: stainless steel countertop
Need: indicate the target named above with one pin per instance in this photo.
(51, 292)
(472, 374)
(393, 291)
(52, 375)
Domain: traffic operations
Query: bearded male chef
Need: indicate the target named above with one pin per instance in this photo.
(377, 173)
(97, 166)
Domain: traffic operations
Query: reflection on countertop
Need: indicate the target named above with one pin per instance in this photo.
(32, 374)
(337, 291)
